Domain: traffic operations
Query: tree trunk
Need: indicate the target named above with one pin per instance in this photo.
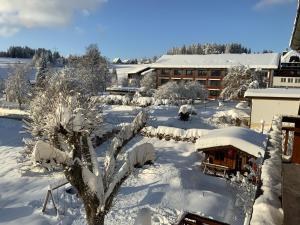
(94, 218)
(74, 176)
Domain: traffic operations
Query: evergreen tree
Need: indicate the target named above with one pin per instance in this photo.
(41, 70)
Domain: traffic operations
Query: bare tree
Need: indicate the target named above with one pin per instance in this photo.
(63, 139)
(17, 85)
(148, 83)
(94, 69)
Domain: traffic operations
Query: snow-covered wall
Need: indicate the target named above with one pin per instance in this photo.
(267, 207)
(265, 109)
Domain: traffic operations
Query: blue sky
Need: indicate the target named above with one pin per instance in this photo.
(138, 28)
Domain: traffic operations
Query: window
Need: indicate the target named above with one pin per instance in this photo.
(202, 72)
(189, 72)
(202, 82)
(219, 156)
(164, 81)
(297, 80)
(283, 80)
(165, 71)
(215, 83)
(216, 73)
(290, 80)
(214, 93)
(179, 72)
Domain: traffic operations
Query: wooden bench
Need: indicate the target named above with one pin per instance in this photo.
(214, 168)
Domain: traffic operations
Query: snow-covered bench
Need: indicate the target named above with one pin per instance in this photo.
(214, 168)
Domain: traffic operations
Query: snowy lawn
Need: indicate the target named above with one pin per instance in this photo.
(168, 115)
(20, 196)
(173, 184)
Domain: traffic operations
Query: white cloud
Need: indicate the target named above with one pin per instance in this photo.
(15, 14)
(264, 3)
(8, 31)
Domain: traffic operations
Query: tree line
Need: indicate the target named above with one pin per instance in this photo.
(208, 48)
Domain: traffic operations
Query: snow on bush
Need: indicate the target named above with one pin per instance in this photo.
(114, 99)
(190, 90)
(267, 207)
(187, 108)
(143, 101)
(140, 155)
(242, 105)
(231, 117)
(45, 153)
(174, 133)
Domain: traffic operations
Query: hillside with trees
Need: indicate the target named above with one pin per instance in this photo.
(209, 48)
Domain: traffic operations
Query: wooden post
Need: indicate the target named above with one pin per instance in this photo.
(286, 142)
(296, 145)
(49, 194)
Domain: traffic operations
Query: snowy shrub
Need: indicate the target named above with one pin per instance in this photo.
(187, 108)
(143, 101)
(173, 133)
(242, 105)
(174, 91)
(231, 117)
(113, 99)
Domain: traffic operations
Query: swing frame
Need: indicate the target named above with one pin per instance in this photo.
(50, 195)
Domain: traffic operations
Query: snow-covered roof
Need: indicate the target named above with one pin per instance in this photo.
(125, 69)
(246, 140)
(286, 58)
(295, 39)
(263, 61)
(273, 93)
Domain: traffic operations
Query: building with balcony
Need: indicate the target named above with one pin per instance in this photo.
(210, 70)
(288, 74)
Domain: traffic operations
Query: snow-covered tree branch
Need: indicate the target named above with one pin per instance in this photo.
(63, 118)
(238, 80)
(17, 86)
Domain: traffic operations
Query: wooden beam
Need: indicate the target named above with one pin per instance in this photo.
(286, 141)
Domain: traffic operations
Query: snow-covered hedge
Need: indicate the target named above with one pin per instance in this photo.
(173, 133)
(114, 99)
(267, 207)
(143, 101)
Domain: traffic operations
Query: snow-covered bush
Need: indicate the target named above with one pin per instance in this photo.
(242, 105)
(114, 99)
(177, 134)
(231, 117)
(187, 108)
(174, 91)
(142, 101)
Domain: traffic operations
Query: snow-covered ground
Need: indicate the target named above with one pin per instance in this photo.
(168, 115)
(172, 185)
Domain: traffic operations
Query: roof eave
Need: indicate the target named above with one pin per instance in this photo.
(295, 42)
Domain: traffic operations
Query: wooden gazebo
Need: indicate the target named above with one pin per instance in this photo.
(231, 148)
